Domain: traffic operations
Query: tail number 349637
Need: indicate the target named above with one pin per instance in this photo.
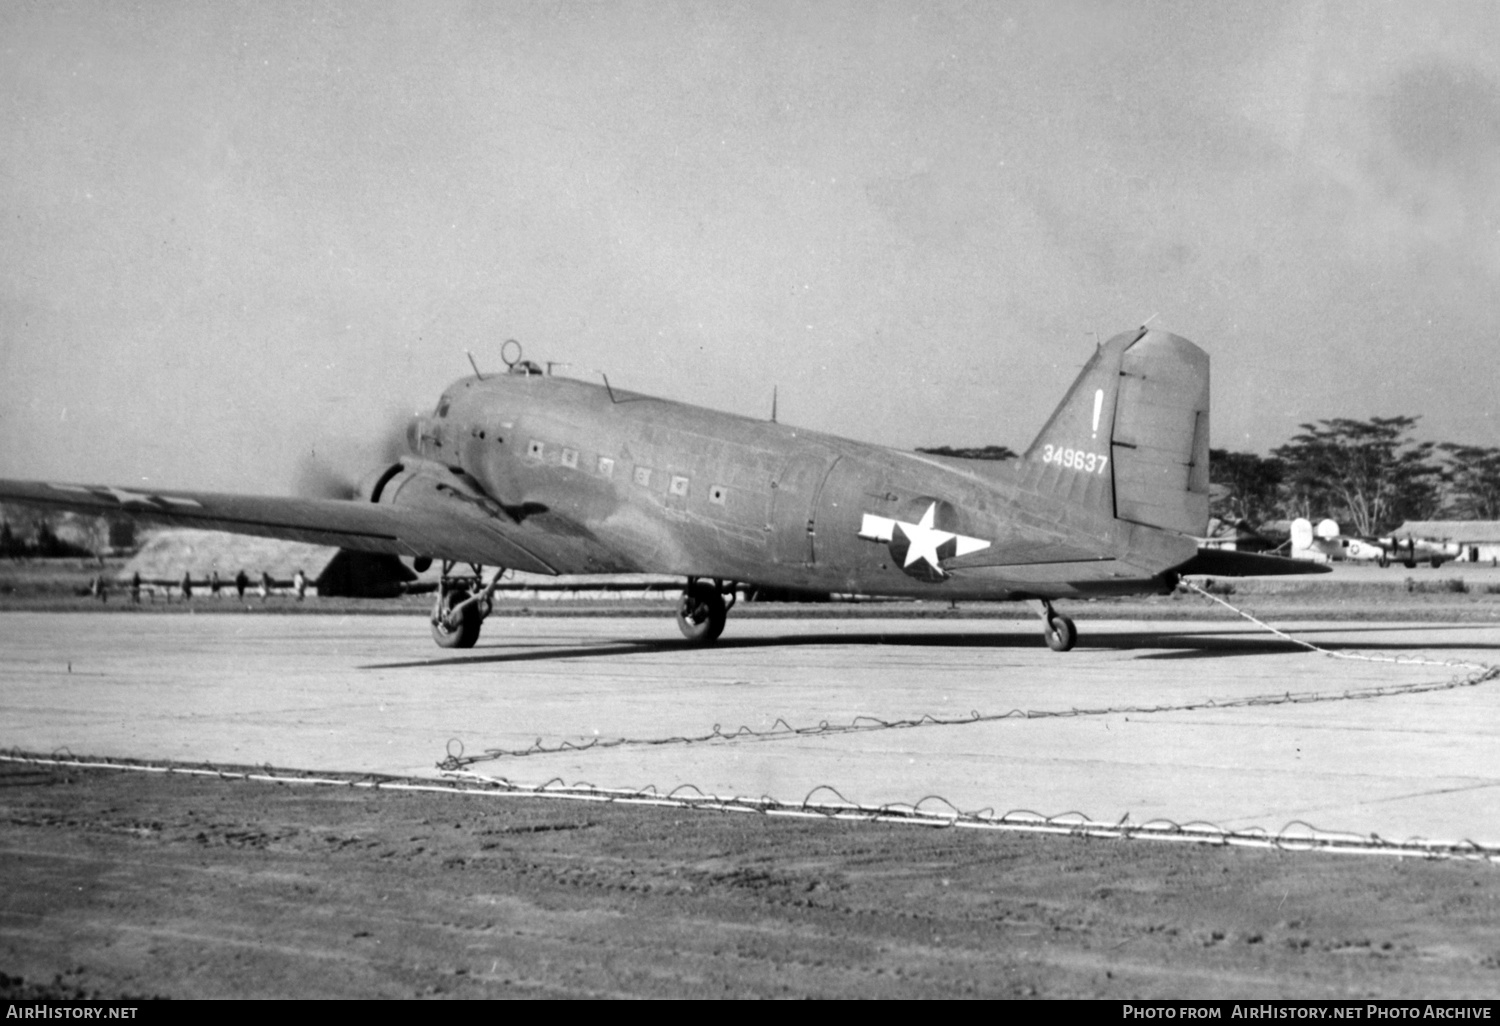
(1075, 459)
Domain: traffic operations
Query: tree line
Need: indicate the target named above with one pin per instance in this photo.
(1369, 475)
(50, 534)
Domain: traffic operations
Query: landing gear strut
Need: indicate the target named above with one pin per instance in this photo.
(1060, 633)
(702, 610)
(463, 602)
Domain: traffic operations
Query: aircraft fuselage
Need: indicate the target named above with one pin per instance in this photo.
(638, 484)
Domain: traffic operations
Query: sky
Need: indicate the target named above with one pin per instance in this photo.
(238, 236)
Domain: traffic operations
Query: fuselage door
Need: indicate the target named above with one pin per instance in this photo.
(790, 521)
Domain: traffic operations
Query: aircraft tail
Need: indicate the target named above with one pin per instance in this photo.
(1131, 436)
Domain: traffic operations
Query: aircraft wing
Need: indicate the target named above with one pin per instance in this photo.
(456, 531)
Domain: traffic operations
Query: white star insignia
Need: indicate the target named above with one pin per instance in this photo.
(923, 540)
(125, 496)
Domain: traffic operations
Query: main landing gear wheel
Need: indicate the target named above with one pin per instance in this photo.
(701, 613)
(1060, 633)
(463, 602)
(455, 629)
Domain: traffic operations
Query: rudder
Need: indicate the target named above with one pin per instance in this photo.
(1160, 438)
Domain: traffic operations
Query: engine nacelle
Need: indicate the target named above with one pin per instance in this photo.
(413, 481)
(412, 476)
(372, 485)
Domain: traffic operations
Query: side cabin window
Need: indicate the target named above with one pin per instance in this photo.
(442, 407)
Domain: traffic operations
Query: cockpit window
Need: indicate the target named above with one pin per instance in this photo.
(442, 410)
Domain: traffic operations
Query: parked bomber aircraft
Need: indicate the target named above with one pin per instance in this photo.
(552, 475)
(1325, 543)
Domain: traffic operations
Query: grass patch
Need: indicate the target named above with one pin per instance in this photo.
(1446, 586)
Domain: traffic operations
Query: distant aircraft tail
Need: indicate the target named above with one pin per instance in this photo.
(1131, 436)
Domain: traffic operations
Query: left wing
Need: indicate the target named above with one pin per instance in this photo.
(452, 530)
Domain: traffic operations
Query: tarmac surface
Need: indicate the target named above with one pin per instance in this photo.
(1138, 722)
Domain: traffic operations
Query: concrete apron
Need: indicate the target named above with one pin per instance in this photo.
(1154, 738)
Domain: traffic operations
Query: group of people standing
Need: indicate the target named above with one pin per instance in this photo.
(99, 589)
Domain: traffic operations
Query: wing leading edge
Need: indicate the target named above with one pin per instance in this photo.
(457, 532)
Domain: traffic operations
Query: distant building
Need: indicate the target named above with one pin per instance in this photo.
(1478, 541)
(169, 554)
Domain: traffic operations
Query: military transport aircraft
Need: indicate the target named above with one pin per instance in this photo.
(551, 475)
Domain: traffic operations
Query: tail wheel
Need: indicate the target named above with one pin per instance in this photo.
(701, 613)
(1061, 633)
(448, 633)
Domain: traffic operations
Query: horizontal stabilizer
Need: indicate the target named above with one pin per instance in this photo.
(1230, 563)
(1026, 554)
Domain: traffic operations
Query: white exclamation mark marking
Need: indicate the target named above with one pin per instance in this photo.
(1098, 407)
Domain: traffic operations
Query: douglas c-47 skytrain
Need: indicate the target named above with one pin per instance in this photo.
(550, 475)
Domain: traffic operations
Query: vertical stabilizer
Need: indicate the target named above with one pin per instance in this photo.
(1131, 436)
(1071, 456)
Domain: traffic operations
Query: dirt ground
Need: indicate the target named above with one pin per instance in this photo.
(126, 884)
